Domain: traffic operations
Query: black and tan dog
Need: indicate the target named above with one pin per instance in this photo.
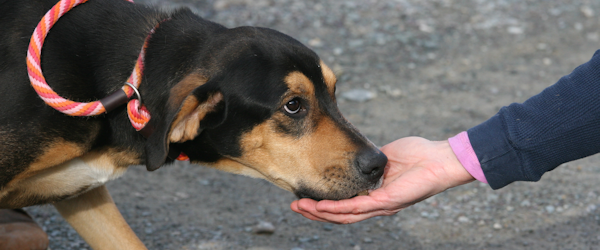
(247, 100)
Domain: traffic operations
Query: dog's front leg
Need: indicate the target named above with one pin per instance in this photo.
(96, 218)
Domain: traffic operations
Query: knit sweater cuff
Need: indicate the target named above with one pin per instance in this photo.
(463, 150)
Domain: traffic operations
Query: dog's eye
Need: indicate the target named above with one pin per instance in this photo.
(293, 106)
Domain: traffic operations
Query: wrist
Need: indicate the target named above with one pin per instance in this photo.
(462, 149)
(457, 173)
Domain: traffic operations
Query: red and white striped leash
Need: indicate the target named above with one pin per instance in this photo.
(137, 112)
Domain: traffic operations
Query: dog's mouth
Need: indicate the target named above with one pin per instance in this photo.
(305, 192)
(368, 191)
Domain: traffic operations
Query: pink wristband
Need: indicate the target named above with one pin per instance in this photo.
(463, 150)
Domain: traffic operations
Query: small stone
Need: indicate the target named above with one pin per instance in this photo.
(542, 46)
(359, 95)
(367, 240)
(578, 26)
(555, 11)
(220, 5)
(338, 51)
(593, 36)
(547, 61)
(305, 239)
(356, 43)
(463, 219)
(264, 227)
(425, 27)
(515, 30)
(587, 11)
(315, 42)
(182, 195)
(497, 226)
(424, 214)
(492, 197)
(327, 227)
(525, 203)
(550, 209)
(591, 208)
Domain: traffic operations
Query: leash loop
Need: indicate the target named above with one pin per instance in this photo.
(139, 117)
(137, 93)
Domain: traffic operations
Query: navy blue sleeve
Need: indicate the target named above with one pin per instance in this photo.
(561, 124)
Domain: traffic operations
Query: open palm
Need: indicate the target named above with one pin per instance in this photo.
(417, 169)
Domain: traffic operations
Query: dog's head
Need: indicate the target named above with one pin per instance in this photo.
(262, 104)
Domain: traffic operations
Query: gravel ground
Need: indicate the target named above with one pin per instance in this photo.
(406, 67)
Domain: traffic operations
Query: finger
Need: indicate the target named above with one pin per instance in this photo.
(312, 217)
(343, 218)
(295, 207)
(376, 200)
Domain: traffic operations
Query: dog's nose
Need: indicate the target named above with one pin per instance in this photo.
(370, 163)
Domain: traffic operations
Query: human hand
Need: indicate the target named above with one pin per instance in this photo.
(417, 169)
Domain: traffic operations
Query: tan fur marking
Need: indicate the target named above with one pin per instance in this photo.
(98, 221)
(187, 122)
(319, 158)
(56, 153)
(329, 78)
(181, 90)
(67, 179)
(299, 84)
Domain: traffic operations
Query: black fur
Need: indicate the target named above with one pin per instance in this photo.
(90, 53)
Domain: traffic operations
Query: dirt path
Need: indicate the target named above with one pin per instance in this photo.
(437, 68)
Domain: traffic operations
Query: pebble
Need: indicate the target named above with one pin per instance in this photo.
(182, 195)
(592, 37)
(463, 219)
(338, 51)
(497, 226)
(591, 208)
(393, 92)
(587, 11)
(367, 240)
(550, 209)
(515, 30)
(316, 42)
(264, 227)
(359, 95)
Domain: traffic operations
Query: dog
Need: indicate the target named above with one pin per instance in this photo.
(245, 100)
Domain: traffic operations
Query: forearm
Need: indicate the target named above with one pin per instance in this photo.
(561, 124)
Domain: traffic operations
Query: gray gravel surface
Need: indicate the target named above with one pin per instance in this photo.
(405, 67)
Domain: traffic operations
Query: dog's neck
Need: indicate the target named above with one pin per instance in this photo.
(99, 60)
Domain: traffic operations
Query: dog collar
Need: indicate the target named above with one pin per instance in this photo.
(137, 112)
(138, 115)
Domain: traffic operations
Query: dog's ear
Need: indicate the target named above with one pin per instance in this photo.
(186, 109)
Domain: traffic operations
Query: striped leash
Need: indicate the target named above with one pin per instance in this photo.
(137, 112)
